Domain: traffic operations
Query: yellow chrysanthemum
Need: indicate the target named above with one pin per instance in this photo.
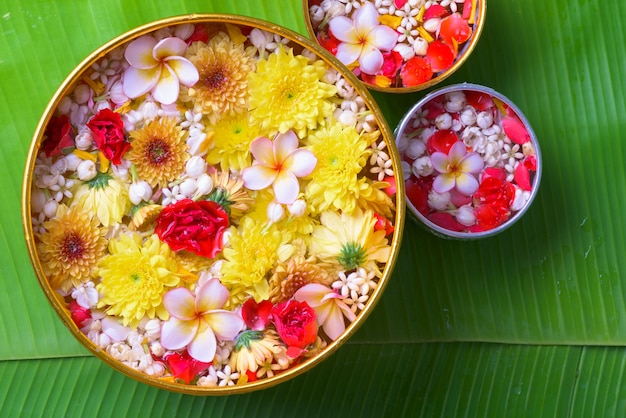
(135, 276)
(253, 348)
(296, 272)
(105, 197)
(159, 151)
(71, 247)
(223, 66)
(341, 156)
(287, 92)
(231, 142)
(254, 250)
(350, 241)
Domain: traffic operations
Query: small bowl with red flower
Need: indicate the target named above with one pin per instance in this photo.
(397, 46)
(470, 159)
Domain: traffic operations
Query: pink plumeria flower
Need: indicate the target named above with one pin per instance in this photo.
(198, 322)
(278, 163)
(328, 306)
(457, 169)
(157, 67)
(363, 38)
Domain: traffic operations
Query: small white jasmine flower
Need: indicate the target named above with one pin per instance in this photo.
(406, 51)
(184, 31)
(139, 191)
(420, 46)
(443, 121)
(297, 208)
(468, 116)
(119, 351)
(171, 196)
(455, 101)
(465, 215)
(155, 369)
(86, 170)
(317, 14)
(432, 24)
(72, 161)
(204, 184)
(157, 349)
(520, 199)
(37, 200)
(86, 295)
(84, 140)
(152, 329)
(81, 94)
(275, 212)
(227, 377)
(422, 166)
(210, 380)
(438, 201)
(50, 208)
(416, 149)
(484, 119)
(188, 187)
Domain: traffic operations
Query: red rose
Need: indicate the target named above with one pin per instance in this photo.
(107, 129)
(184, 367)
(193, 226)
(59, 137)
(296, 325)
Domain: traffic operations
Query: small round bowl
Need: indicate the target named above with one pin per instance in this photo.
(182, 211)
(471, 161)
(410, 47)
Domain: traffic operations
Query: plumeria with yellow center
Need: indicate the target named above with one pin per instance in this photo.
(254, 249)
(198, 322)
(329, 308)
(135, 276)
(279, 163)
(71, 247)
(222, 87)
(363, 38)
(232, 138)
(159, 151)
(157, 67)
(350, 241)
(105, 196)
(287, 92)
(457, 169)
(254, 348)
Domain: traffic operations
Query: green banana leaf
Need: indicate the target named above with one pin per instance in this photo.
(520, 324)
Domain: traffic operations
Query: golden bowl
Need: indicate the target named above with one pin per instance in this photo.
(414, 45)
(151, 234)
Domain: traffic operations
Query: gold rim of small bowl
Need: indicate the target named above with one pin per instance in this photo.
(59, 305)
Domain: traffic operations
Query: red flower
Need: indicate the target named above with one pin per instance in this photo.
(416, 71)
(383, 224)
(59, 137)
(256, 315)
(200, 34)
(107, 129)
(328, 41)
(440, 55)
(193, 226)
(79, 315)
(392, 61)
(493, 200)
(184, 367)
(296, 325)
(441, 141)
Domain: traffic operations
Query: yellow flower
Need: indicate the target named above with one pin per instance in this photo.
(229, 192)
(291, 275)
(105, 197)
(350, 241)
(287, 92)
(71, 247)
(254, 348)
(223, 85)
(254, 250)
(341, 156)
(135, 276)
(159, 151)
(232, 137)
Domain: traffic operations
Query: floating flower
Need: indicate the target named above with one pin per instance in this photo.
(287, 92)
(104, 196)
(350, 240)
(159, 151)
(198, 322)
(330, 310)
(223, 67)
(157, 67)
(456, 170)
(279, 163)
(135, 276)
(71, 247)
(363, 38)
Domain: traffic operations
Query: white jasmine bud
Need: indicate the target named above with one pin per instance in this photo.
(415, 149)
(184, 31)
(465, 215)
(195, 166)
(316, 13)
(420, 46)
(406, 51)
(72, 161)
(438, 201)
(422, 166)
(456, 101)
(431, 25)
(275, 212)
(484, 120)
(139, 191)
(37, 200)
(188, 187)
(84, 140)
(297, 208)
(204, 184)
(468, 116)
(157, 349)
(406, 169)
(443, 121)
(81, 93)
(86, 170)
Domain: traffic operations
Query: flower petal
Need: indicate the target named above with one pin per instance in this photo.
(167, 88)
(348, 53)
(262, 149)
(471, 163)
(440, 162)
(342, 28)
(444, 183)
(456, 153)
(301, 162)
(466, 183)
(168, 47)
(186, 72)
(371, 59)
(284, 144)
(137, 82)
(286, 187)
(211, 295)
(180, 303)
(334, 325)
(139, 53)
(204, 345)
(176, 334)
(366, 18)
(115, 330)
(258, 176)
(225, 324)
(383, 37)
(312, 293)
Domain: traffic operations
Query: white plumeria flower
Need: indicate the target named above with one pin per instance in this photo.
(157, 67)
(328, 306)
